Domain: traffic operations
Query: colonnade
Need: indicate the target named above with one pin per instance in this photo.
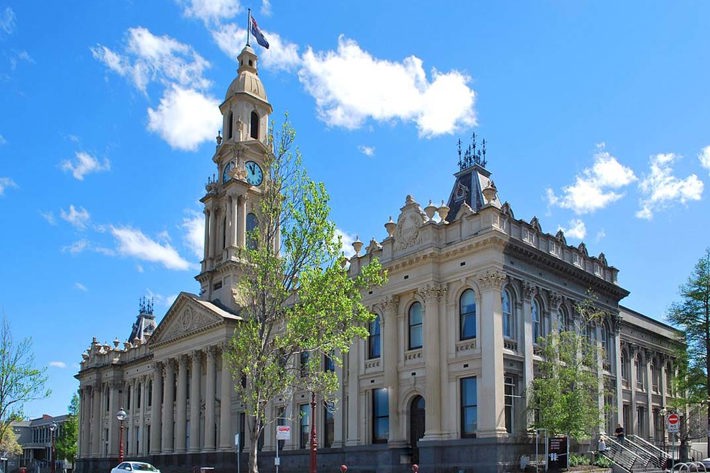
(178, 404)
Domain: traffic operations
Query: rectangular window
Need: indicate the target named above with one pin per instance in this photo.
(328, 424)
(303, 431)
(510, 396)
(128, 399)
(469, 407)
(641, 426)
(328, 364)
(380, 416)
(304, 363)
(138, 396)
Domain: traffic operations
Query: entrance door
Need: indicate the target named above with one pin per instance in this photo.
(416, 425)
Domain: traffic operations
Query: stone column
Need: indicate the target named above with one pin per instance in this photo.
(129, 425)
(432, 389)
(491, 388)
(389, 343)
(181, 406)
(168, 407)
(155, 411)
(527, 342)
(354, 413)
(631, 429)
(226, 436)
(210, 395)
(648, 362)
(96, 427)
(338, 420)
(616, 333)
(195, 401)
(114, 406)
(207, 234)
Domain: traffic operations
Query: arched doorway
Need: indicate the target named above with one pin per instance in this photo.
(417, 427)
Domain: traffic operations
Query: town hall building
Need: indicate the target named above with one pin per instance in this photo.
(440, 381)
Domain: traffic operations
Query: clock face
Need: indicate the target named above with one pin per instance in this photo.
(254, 173)
(227, 171)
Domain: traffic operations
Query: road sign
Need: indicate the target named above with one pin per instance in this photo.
(673, 421)
(283, 432)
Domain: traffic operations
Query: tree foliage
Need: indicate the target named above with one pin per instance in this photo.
(9, 444)
(68, 438)
(566, 389)
(296, 296)
(692, 315)
(20, 381)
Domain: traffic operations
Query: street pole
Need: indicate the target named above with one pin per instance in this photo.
(52, 452)
(121, 416)
(314, 441)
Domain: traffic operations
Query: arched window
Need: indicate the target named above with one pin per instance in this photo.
(536, 322)
(606, 343)
(563, 324)
(373, 340)
(255, 125)
(624, 366)
(415, 326)
(252, 225)
(224, 232)
(230, 126)
(507, 308)
(467, 315)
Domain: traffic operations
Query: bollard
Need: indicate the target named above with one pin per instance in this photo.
(343, 468)
(415, 468)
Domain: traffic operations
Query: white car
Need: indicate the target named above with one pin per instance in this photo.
(126, 467)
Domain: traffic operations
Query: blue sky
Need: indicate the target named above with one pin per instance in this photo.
(596, 116)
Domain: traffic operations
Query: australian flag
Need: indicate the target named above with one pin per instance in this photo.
(258, 34)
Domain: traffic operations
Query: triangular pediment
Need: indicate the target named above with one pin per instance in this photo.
(189, 315)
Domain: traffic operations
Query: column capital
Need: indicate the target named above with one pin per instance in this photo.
(387, 305)
(554, 299)
(432, 292)
(529, 290)
(492, 279)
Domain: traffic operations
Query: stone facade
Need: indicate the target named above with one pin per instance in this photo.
(440, 381)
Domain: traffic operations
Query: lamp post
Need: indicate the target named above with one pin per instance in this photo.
(121, 416)
(52, 452)
(314, 440)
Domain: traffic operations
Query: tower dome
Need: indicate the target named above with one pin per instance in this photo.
(247, 80)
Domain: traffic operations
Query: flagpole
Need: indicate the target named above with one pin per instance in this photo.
(248, 25)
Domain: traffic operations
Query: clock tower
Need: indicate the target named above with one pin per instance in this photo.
(232, 198)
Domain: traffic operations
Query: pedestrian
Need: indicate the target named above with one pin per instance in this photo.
(601, 447)
(619, 432)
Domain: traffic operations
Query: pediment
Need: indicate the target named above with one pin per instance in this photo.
(187, 316)
(410, 219)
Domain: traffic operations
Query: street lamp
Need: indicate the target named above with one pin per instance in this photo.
(52, 451)
(314, 438)
(121, 416)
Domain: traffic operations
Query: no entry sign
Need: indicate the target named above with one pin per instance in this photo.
(673, 422)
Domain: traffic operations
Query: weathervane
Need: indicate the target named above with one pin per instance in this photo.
(472, 155)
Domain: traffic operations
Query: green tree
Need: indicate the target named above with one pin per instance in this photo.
(566, 389)
(68, 439)
(692, 314)
(9, 445)
(296, 297)
(20, 381)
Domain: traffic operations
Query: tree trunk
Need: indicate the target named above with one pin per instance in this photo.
(253, 452)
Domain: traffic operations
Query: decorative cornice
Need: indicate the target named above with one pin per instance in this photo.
(432, 292)
(492, 279)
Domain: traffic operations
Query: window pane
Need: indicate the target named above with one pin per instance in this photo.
(374, 349)
(467, 314)
(469, 407)
(305, 411)
(415, 326)
(507, 315)
(380, 414)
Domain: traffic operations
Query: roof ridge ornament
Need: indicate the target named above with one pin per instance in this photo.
(472, 155)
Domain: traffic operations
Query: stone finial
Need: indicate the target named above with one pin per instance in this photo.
(357, 246)
(390, 227)
(490, 192)
(430, 210)
(443, 211)
(116, 342)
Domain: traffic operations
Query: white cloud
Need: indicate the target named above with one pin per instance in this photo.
(349, 86)
(576, 229)
(595, 187)
(366, 150)
(7, 22)
(601, 234)
(704, 157)
(80, 286)
(660, 188)
(160, 299)
(77, 217)
(57, 364)
(49, 217)
(185, 118)
(148, 58)
(266, 7)
(134, 243)
(210, 11)
(6, 183)
(85, 164)
(281, 54)
(194, 237)
(76, 247)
